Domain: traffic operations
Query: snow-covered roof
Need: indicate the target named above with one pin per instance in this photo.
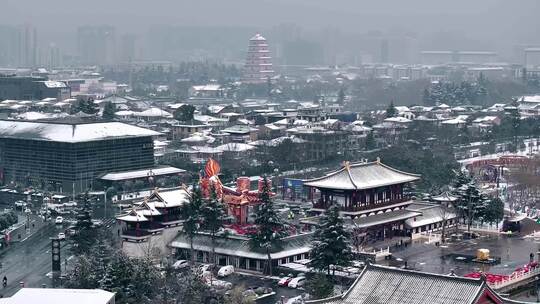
(208, 118)
(206, 87)
(300, 122)
(54, 84)
(357, 128)
(33, 116)
(485, 119)
(362, 176)
(272, 127)
(258, 37)
(329, 121)
(430, 214)
(235, 147)
(61, 296)
(124, 175)
(70, 133)
(124, 113)
(176, 105)
(445, 197)
(461, 119)
(530, 98)
(153, 112)
(169, 198)
(132, 216)
(398, 119)
(401, 109)
(197, 138)
(239, 129)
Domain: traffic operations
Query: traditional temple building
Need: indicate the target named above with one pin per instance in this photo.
(258, 67)
(380, 284)
(151, 216)
(370, 194)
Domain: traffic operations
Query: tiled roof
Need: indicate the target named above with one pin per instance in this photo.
(387, 285)
(362, 176)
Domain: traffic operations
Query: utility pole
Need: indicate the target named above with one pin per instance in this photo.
(105, 204)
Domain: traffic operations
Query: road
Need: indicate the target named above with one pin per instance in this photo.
(29, 261)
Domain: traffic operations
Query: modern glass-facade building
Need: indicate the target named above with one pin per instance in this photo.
(67, 157)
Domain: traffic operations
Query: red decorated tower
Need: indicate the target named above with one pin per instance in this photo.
(258, 62)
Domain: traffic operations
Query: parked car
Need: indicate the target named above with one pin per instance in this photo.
(225, 271)
(180, 264)
(61, 236)
(205, 267)
(27, 211)
(285, 280)
(70, 204)
(297, 282)
(59, 220)
(20, 204)
(219, 284)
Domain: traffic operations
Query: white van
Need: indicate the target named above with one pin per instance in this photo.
(225, 271)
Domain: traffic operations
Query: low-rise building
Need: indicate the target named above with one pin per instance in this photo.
(60, 296)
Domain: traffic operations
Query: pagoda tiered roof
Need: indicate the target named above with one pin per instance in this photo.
(361, 176)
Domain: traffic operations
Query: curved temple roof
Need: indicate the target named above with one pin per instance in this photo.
(360, 176)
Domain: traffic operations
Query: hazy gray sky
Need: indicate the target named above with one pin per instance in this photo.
(479, 16)
(490, 24)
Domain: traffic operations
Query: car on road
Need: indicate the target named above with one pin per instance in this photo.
(285, 280)
(97, 223)
(225, 271)
(59, 220)
(180, 264)
(297, 282)
(27, 211)
(20, 204)
(61, 236)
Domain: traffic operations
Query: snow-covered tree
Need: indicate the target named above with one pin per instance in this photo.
(391, 111)
(191, 214)
(330, 244)
(85, 233)
(108, 110)
(471, 204)
(213, 216)
(270, 227)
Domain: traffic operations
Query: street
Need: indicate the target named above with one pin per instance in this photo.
(29, 261)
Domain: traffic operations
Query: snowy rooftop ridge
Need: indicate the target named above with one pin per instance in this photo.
(70, 133)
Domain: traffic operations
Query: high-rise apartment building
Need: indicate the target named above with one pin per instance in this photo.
(96, 45)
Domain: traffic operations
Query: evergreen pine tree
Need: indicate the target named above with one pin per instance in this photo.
(184, 113)
(370, 141)
(85, 233)
(426, 98)
(108, 110)
(191, 213)
(330, 244)
(270, 227)
(213, 217)
(319, 286)
(471, 203)
(391, 110)
(341, 96)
